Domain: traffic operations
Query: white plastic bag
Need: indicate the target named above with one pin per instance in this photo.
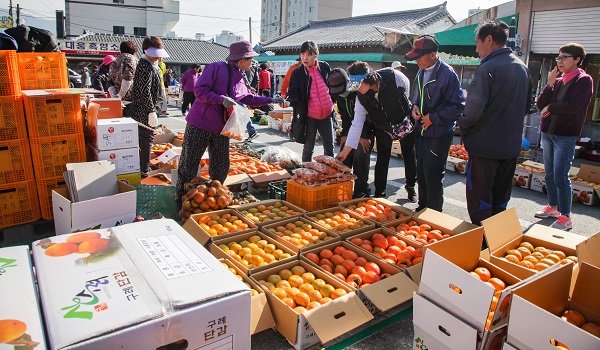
(236, 124)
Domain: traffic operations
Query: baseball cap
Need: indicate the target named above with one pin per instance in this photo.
(423, 45)
(397, 64)
(337, 81)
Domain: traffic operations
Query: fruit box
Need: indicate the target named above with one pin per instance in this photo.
(126, 160)
(261, 317)
(245, 207)
(109, 108)
(114, 133)
(434, 328)
(587, 188)
(20, 313)
(368, 226)
(456, 164)
(270, 176)
(140, 286)
(446, 281)
(95, 213)
(269, 231)
(402, 211)
(522, 177)
(322, 324)
(219, 253)
(536, 309)
(538, 176)
(195, 230)
(503, 232)
(383, 294)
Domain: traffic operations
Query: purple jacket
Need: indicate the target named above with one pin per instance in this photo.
(207, 112)
(188, 80)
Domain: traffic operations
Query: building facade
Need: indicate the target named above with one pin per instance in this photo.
(279, 17)
(125, 17)
(226, 38)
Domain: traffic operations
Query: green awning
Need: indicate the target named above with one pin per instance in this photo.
(461, 41)
(341, 57)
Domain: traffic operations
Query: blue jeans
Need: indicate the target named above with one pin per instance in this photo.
(250, 128)
(325, 128)
(559, 152)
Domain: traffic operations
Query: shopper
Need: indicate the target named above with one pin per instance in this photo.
(283, 92)
(219, 88)
(188, 81)
(162, 70)
(438, 102)
(264, 80)
(309, 95)
(563, 104)
(382, 101)
(100, 80)
(492, 129)
(85, 78)
(146, 97)
(121, 72)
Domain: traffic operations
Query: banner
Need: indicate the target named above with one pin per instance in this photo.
(89, 47)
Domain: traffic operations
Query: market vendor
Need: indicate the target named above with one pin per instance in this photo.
(219, 88)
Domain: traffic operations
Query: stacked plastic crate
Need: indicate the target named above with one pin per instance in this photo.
(54, 121)
(18, 194)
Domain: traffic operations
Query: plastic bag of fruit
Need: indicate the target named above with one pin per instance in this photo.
(309, 175)
(285, 157)
(322, 168)
(332, 162)
(236, 124)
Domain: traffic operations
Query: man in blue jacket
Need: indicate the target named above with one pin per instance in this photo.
(492, 123)
(438, 102)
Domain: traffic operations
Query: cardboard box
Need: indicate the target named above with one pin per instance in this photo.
(19, 300)
(522, 177)
(216, 250)
(538, 176)
(402, 211)
(117, 133)
(195, 230)
(368, 224)
(586, 187)
(109, 107)
(383, 294)
(162, 176)
(508, 346)
(537, 307)
(138, 295)
(279, 113)
(270, 230)
(243, 209)
(131, 179)
(126, 160)
(396, 149)
(287, 117)
(286, 126)
(456, 164)
(261, 317)
(95, 213)
(322, 324)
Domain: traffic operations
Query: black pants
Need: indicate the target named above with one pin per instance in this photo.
(489, 185)
(146, 138)
(196, 141)
(362, 162)
(188, 100)
(432, 153)
(407, 145)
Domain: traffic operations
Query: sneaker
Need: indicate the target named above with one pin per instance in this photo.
(563, 223)
(252, 136)
(380, 195)
(412, 194)
(547, 212)
(360, 195)
(183, 114)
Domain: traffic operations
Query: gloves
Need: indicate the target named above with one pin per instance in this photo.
(113, 92)
(228, 102)
(152, 119)
(125, 85)
(277, 100)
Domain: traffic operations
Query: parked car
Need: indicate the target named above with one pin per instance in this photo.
(74, 79)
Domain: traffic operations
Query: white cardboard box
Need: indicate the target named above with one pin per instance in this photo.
(19, 304)
(126, 160)
(522, 177)
(586, 187)
(456, 164)
(114, 133)
(151, 286)
(95, 213)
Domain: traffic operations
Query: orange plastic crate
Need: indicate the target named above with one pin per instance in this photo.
(44, 188)
(18, 203)
(51, 154)
(318, 197)
(53, 115)
(9, 74)
(12, 118)
(43, 70)
(15, 161)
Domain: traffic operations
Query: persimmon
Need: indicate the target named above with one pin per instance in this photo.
(61, 249)
(313, 257)
(484, 274)
(497, 283)
(350, 255)
(574, 317)
(82, 237)
(371, 266)
(325, 254)
(592, 328)
(371, 277)
(336, 259)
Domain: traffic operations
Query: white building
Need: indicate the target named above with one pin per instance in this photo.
(200, 36)
(133, 17)
(227, 38)
(282, 16)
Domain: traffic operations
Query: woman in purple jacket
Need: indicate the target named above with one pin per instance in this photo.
(219, 88)
(564, 103)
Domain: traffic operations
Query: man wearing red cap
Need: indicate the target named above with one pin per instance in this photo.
(438, 102)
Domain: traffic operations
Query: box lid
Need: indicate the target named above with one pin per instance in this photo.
(588, 251)
(444, 220)
(53, 92)
(502, 228)
(555, 236)
(589, 173)
(115, 121)
(270, 176)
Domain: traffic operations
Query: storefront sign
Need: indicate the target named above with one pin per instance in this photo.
(89, 47)
(458, 60)
(281, 67)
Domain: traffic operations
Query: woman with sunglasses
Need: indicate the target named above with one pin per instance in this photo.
(564, 103)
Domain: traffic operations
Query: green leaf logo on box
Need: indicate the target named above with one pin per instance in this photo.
(6, 263)
(420, 344)
(87, 299)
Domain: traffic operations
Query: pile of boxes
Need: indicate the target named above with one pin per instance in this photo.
(280, 120)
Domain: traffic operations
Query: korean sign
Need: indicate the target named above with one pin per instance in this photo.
(89, 47)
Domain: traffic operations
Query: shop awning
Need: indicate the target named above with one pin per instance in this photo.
(341, 57)
(461, 41)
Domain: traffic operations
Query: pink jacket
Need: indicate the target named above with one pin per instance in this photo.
(320, 104)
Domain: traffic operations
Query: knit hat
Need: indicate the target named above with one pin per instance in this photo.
(239, 50)
(422, 46)
(108, 59)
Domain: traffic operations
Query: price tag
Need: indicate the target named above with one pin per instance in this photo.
(60, 152)
(5, 162)
(42, 70)
(55, 112)
(9, 202)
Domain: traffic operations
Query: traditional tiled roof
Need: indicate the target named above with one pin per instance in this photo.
(357, 31)
(182, 51)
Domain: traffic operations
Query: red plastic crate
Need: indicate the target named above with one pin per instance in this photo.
(44, 188)
(12, 118)
(9, 74)
(15, 161)
(315, 198)
(18, 203)
(43, 70)
(53, 115)
(51, 154)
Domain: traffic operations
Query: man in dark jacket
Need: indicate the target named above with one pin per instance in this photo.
(438, 102)
(492, 123)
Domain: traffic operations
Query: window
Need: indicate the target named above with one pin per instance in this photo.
(119, 1)
(118, 30)
(139, 31)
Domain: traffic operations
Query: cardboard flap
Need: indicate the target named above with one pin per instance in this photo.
(462, 250)
(236, 179)
(451, 223)
(339, 317)
(270, 176)
(502, 228)
(554, 236)
(589, 173)
(121, 204)
(391, 291)
(587, 291)
(588, 251)
(261, 314)
(548, 289)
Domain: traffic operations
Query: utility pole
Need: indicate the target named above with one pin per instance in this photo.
(250, 28)
(18, 14)
(10, 13)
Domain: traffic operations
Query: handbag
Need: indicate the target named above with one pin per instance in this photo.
(402, 129)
